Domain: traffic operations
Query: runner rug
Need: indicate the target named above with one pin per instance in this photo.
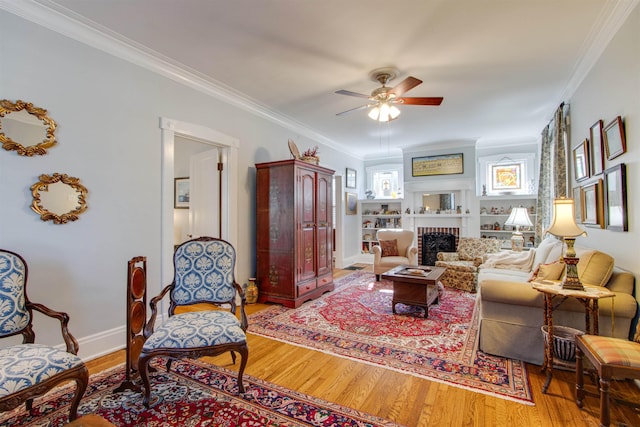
(356, 321)
(192, 394)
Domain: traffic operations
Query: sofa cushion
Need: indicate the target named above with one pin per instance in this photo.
(595, 268)
(389, 247)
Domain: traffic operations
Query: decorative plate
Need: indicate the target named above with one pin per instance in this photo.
(294, 150)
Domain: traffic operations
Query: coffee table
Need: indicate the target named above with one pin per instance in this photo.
(414, 285)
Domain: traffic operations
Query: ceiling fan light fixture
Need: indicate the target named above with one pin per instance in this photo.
(374, 113)
(384, 112)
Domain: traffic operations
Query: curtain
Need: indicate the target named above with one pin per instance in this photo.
(552, 182)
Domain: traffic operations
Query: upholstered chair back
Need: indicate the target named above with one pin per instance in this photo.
(204, 271)
(471, 248)
(404, 239)
(14, 315)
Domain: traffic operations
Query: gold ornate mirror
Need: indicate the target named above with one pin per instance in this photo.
(59, 198)
(25, 128)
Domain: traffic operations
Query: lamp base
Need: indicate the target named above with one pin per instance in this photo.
(517, 242)
(571, 280)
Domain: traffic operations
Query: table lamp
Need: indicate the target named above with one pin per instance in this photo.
(564, 225)
(518, 217)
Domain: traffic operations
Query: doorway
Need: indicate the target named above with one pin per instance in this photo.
(177, 132)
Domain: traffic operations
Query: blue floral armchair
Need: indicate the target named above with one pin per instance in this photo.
(203, 273)
(29, 370)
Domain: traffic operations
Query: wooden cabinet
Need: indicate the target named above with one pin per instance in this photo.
(294, 231)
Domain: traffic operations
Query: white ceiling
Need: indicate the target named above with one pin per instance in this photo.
(502, 66)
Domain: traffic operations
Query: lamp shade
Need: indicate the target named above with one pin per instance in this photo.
(520, 217)
(563, 223)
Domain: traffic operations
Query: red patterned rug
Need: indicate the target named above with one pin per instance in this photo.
(356, 321)
(192, 394)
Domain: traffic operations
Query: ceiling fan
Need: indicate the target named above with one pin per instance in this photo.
(383, 99)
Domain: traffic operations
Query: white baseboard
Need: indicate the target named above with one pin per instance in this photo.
(102, 343)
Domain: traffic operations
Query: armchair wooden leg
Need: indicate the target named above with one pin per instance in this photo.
(244, 355)
(377, 277)
(143, 371)
(81, 386)
(605, 420)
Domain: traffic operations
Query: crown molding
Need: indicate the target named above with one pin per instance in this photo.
(613, 16)
(68, 23)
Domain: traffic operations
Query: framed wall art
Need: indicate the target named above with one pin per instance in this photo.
(447, 164)
(181, 193)
(596, 147)
(614, 139)
(615, 193)
(577, 203)
(351, 181)
(506, 177)
(581, 161)
(592, 211)
(351, 203)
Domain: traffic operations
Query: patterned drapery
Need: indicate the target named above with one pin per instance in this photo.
(552, 182)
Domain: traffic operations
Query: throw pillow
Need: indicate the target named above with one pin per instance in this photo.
(389, 247)
(552, 271)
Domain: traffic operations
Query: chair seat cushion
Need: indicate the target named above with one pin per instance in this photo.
(196, 329)
(25, 365)
(614, 351)
(458, 265)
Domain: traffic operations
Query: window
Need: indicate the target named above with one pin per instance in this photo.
(385, 181)
(507, 174)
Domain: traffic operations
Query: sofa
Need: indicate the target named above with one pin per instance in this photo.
(512, 312)
(462, 266)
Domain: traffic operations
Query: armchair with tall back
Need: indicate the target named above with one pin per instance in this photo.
(29, 370)
(395, 247)
(203, 273)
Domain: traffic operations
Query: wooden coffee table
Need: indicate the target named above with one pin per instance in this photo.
(417, 286)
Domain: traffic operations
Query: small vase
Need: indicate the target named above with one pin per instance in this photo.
(251, 293)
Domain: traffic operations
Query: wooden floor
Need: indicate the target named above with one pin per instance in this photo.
(412, 401)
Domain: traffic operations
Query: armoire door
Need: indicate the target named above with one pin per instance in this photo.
(306, 224)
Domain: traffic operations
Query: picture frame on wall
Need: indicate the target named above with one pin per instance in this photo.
(597, 147)
(615, 193)
(351, 203)
(577, 203)
(614, 140)
(446, 164)
(592, 203)
(581, 161)
(181, 193)
(351, 181)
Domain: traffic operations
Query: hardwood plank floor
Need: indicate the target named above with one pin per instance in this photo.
(412, 401)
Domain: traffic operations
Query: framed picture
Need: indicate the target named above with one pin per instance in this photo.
(596, 147)
(592, 204)
(506, 177)
(181, 193)
(615, 192)
(447, 164)
(581, 161)
(577, 203)
(614, 140)
(351, 178)
(351, 204)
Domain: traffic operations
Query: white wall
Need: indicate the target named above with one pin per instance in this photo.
(108, 113)
(612, 88)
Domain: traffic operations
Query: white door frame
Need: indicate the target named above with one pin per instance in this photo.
(229, 149)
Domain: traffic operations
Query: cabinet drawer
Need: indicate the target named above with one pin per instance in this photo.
(306, 287)
(325, 280)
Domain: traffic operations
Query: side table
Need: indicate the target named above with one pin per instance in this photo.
(589, 299)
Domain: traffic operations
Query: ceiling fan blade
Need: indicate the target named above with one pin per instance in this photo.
(434, 100)
(362, 107)
(349, 93)
(405, 85)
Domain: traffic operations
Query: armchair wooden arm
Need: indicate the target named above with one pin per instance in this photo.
(69, 340)
(153, 304)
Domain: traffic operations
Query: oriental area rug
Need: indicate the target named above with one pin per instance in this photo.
(356, 321)
(193, 394)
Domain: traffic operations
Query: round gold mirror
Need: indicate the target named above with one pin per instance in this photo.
(59, 198)
(25, 128)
